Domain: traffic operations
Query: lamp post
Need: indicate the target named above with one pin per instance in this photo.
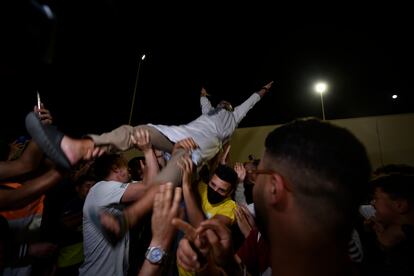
(135, 89)
(320, 88)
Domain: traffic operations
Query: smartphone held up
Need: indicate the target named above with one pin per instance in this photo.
(38, 100)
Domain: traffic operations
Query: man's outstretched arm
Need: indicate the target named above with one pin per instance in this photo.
(27, 162)
(141, 139)
(263, 91)
(204, 101)
(31, 189)
(241, 110)
(191, 199)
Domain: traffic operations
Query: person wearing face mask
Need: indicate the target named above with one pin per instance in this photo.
(207, 200)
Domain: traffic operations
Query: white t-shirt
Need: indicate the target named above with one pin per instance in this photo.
(100, 257)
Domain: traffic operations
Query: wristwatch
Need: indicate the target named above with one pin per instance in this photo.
(155, 255)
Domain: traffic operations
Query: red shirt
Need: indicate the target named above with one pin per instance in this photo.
(254, 253)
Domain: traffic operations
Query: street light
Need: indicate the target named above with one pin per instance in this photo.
(321, 88)
(135, 89)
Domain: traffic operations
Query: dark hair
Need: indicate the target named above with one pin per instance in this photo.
(135, 167)
(228, 174)
(204, 173)
(396, 185)
(256, 162)
(104, 164)
(134, 162)
(327, 166)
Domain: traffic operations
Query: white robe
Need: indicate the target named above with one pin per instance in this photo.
(211, 129)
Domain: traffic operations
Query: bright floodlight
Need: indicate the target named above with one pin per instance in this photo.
(143, 57)
(320, 87)
(394, 96)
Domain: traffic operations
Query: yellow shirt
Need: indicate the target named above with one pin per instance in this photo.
(224, 208)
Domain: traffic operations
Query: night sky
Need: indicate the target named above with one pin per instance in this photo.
(85, 64)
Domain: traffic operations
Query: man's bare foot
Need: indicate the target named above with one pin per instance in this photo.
(77, 149)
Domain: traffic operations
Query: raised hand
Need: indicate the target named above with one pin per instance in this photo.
(268, 85)
(218, 236)
(203, 92)
(141, 139)
(165, 209)
(44, 114)
(210, 245)
(192, 250)
(245, 220)
(225, 155)
(265, 89)
(186, 166)
(249, 216)
(188, 144)
(241, 171)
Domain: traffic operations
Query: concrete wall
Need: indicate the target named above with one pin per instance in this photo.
(388, 139)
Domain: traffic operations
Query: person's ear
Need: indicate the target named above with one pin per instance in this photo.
(277, 188)
(115, 168)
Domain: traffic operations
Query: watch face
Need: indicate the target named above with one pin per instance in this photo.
(155, 255)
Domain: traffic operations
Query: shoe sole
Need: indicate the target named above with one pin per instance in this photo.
(50, 146)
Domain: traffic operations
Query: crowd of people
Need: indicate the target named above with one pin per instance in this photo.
(310, 205)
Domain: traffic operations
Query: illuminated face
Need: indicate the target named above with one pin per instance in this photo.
(218, 190)
(220, 186)
(123, 173)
